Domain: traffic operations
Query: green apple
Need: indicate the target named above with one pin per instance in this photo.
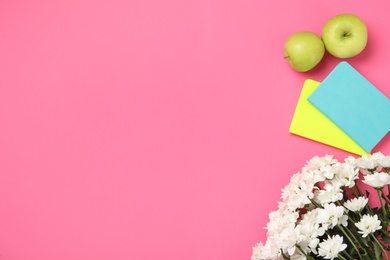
(303, 50)
(344, 35)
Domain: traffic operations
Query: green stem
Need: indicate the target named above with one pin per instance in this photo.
(380, 245)
(383, 209)
(388, 191)
(284, 255)
(359, 191)
(350, 240)
(315, 203)
(348, 255)
(381, 201)
(303, 252)
(355, 193)
(341, 257)
(361, 194)
(386, 199)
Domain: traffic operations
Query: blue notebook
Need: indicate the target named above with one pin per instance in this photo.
(353, 104)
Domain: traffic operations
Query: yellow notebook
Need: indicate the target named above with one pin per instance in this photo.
(310, 123)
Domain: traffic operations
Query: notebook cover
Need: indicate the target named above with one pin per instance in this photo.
(354, 104)
(310, 123)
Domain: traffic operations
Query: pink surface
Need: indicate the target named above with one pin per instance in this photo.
(155, 129)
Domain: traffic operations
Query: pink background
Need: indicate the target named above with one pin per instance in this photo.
(150, 129)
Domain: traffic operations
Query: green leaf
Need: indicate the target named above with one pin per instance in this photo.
(366, 256)
(378, 251)
(386, 239)
(369, 255)
(362, 241)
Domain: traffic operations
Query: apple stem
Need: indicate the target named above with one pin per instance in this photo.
(286, 57)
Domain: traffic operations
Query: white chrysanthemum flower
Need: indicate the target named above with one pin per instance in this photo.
(266, 252)
(330, 193)
(345, 175)
(384, 161)
(317, 162)
(298, 256)
(299, 222)
(332, 215)
(259, 252)
(351, 160)
(280, 220)
(298, 192)
(331, 247)
(356, 204)
(289, 238)
(281, 235)
(302, 252)
(309, 225)
(310, 216)
(324, 173)
(369, 163)
(311, 230)
(271, 248)
(377, 179)
(368, 224)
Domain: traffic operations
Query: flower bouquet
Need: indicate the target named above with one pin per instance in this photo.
(332, 210)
